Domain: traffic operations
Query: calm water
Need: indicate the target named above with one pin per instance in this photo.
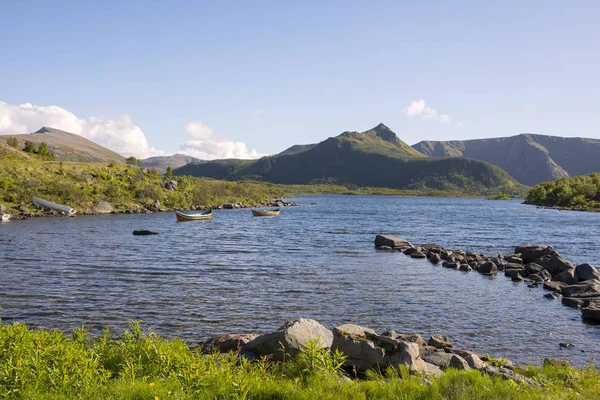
(240, 273)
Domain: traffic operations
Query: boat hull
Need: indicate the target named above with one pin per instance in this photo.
(265, 213)
(193, 217)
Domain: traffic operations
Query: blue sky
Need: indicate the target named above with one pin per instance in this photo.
(272, 74)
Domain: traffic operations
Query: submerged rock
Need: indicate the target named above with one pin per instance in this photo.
(144, 232)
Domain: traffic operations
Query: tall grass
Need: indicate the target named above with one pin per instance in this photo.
(42, 364)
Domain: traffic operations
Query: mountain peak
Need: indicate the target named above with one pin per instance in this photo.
(385, 133)
(44, 129)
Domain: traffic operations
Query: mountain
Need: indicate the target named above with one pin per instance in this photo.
(376, 157)
(68, 146)
(297, 148)
(529, 158)
(162, 162)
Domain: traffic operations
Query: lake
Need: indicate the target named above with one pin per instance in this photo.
(239, 273)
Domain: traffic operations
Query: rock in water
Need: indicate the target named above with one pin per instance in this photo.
(290, 339)
(531, 252)
(439, 341)
(102, 208)
(587, 272)
(394, 242)
(144, 232)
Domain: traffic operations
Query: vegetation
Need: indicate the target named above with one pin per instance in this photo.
(133, 161)
(43, 364)
(13, 142)
(29, 147)
(578, 192)
(125, 187)
(499, 196)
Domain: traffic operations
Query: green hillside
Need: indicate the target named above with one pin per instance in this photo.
(529, 158)
(578, 192)
(375, 158)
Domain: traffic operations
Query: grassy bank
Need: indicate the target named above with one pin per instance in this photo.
(42, 364)
(125, 187)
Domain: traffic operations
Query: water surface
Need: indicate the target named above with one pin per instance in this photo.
(240, 273)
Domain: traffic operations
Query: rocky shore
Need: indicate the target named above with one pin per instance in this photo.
(104, 208)
(534, 264)
(364, 349)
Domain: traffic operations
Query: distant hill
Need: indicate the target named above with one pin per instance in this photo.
(376, 157)
(67, 146)
(297, 148)
(529, 158)
(162, 162)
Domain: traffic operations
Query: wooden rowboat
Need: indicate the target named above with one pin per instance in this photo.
(194, 216)
(266, 213)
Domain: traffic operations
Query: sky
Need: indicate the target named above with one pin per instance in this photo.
(222, 79)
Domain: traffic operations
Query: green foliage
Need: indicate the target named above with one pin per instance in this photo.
(13, 142)
(133, 161)
(169, 173)
(499, 196)
(577, 192)
(30, 147)
(42, 364)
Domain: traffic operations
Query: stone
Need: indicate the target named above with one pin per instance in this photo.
(586, 272)
(384, 247)
(290, 339)
(438, 358)
(584, 289)
(591, 313)
(392, 241)
(507, 374)
(511, 273)
(432, 370)
(361, 353)
(439, 342)
(531, 252)
(553, 362)
(474, 361)
(512, 267)
(434, 258)
(457, 362)
(465, 268)
(488, 268)
(417, 254)
(451, 265)
(227, 343)
(513, 260)
(517, 277)
(408, 355)
(572, 302)
(533, 268)
(555, 286)
(409, 250)
(433, 248)
(144, 232)
(552, 296)
(536, 278)
(567, 277)
(400, 337)
(554, 264)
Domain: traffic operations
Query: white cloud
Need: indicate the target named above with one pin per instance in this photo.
(209, 145)
(120, 135)
(417, 108)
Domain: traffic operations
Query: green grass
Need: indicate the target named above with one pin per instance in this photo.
(125, 187)
(43, 364)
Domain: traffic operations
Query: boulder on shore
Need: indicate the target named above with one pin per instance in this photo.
(591, 313)
(227, 343)
(361, 352)
(531, 252)
(393, 242)
(290, 339)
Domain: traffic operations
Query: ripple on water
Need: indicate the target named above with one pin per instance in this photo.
(240, 273)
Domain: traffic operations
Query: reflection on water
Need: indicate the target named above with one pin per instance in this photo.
(239, 273)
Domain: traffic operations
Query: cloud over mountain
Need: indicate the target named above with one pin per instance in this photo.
(208, 145)
(120, 135)
(417, 108)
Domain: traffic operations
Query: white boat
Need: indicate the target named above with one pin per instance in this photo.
(4, 217)
(48, 205)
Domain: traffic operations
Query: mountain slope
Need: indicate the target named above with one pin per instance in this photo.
(372, 158)
(68, 146)
(529, 158)
(162, 162)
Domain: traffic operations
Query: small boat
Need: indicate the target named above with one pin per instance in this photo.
(4, 217)
(48, 205)
(194, 216)
(266, 213)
